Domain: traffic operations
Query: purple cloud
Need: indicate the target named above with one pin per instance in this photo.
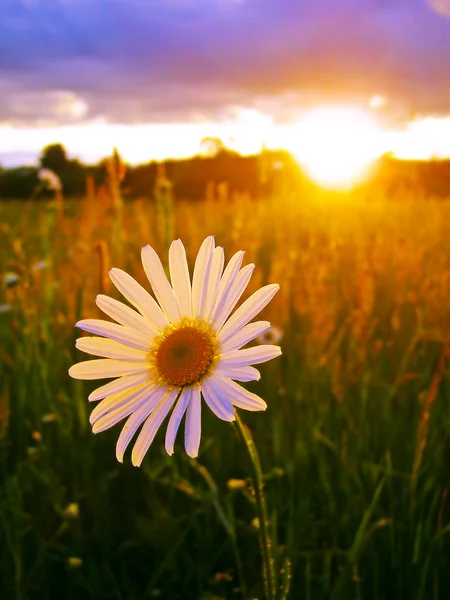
(174, 59)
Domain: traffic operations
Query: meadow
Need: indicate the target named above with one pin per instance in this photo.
(354, 445)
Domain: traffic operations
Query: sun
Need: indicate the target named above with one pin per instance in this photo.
(336, 145)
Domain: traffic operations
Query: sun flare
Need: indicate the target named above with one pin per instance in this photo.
(336, 145)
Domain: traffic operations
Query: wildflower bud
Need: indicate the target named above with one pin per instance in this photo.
(236, 484)
(37, 437)
(48, 418)
(255, 523)
(74, 562)
(277, 472)
(71, 512)
(32, 452)
(223, 577)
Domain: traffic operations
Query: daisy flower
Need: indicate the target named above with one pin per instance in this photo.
(50, 179)
(271, 336)
(176, 349)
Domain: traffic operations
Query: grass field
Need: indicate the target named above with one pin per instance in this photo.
(355, 443)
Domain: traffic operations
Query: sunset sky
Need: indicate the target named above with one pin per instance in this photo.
(155, 76)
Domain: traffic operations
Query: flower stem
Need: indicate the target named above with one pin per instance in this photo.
(264, 535)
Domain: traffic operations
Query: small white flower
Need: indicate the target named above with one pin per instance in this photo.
(42, 264)
(272, 336)
(174, 351)
(51, 179)
(10, 278)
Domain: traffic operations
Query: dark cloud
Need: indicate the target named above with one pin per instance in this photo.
(159, 60)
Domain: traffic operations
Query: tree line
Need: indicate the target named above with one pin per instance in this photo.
(264, 174)
(189, 177)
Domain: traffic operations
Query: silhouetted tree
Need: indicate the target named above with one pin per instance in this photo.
(71, 172)
(54, 157)
(18, 183)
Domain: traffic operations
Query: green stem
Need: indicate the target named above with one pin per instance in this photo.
(257, 482)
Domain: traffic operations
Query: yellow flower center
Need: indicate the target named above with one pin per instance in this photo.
(184, 355)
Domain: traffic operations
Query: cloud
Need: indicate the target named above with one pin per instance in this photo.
(42, 107)
(177, 60)
(442, 7)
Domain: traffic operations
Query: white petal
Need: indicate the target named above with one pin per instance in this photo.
(245, 313)
(217, 401)
(160, 284)
(117, 400)
(126, 316)
(104, 368)
(217, 263)
(151, 426)
(126, 335)
(193, 426)
(175, 419)
(113, 387)
(114, 416)
(245, 335)
(249, 356)
(227, 280)
(110, 349)
(237, 373)
(139, 297)
(239, 396)
(234, 294)
(136, 419)
(200, 277)
(179, 275)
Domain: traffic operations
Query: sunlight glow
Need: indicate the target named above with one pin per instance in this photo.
(336, 145)
(377, 101)
(423, 139)
(139, 143)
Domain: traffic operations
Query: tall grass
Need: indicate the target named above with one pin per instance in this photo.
(355, 444)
